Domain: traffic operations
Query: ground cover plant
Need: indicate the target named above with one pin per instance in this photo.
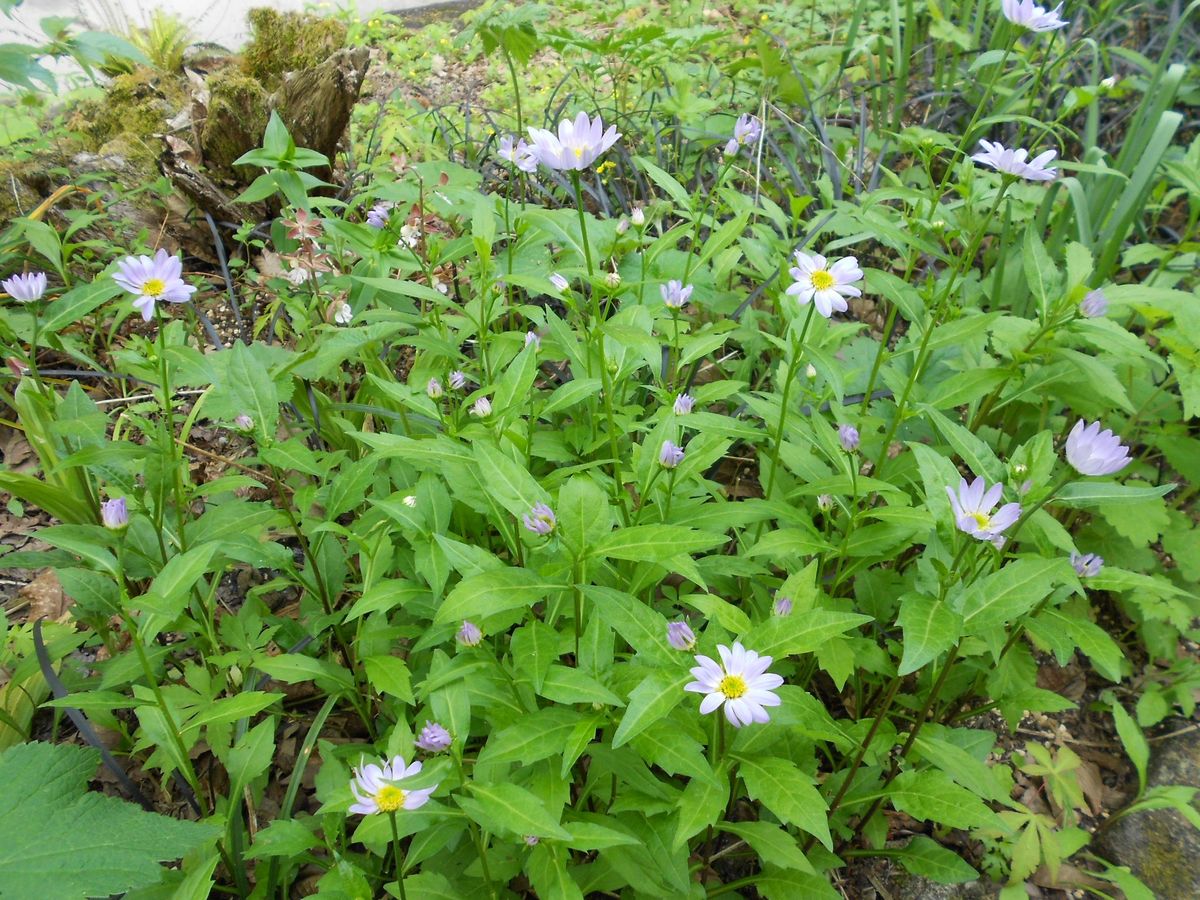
(669, 466)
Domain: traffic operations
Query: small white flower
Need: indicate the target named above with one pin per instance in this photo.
(375, 788)
(344, 314)
(1035, 18)
(410, 501)
(973, 504)
(440, 286)
(810, 372)
(559, 282)
(482, 408)
(683, 404)
(410, 235)
(740, 683)
(675, 294)
(622, 225)
(827, 285)
(297, 276)
(1013, 162)
(1094, 304)
(613, 280)
(26, 288)
(576, 146)
(638, 217)
(531, 337)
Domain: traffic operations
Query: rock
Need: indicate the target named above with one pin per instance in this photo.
(880, 878)
(1160, 846)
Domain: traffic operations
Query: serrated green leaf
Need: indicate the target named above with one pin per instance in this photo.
(781, 636)
(1010, 593)
(930, 629)
(84, 844)
(700, 805)
(773, 845)
(650, 701)
(926, 857)
(654, 543)
(933, 796)
(390, 675)
(492, 592)
(789, 794)
(535, 737)
(512, 810)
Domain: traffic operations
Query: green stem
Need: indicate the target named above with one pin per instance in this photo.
(605, 376)
(882, 712)
(174, 453)
(512, 71)
(399, 852)
(793, 368)
(966, 135)
(935, 314)
(699, 221)
(135, 638)
(33, 368)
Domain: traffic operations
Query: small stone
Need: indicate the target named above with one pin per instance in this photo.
(1160, 845)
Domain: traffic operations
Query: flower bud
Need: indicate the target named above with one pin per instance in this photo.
(469, 634)
(680, 636)
(114, 514)
(244, 422)
(434, 389)
(433, 738)
(638, 217)
(848, 437)
(671, 455)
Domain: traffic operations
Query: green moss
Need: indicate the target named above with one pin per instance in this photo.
(17, 197)
(134, 109)
(237, 117)
(285, 42)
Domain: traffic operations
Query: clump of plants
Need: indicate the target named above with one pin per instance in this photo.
(680, 500)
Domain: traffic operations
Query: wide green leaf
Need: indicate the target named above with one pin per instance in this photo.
(61, 840)
(1010, 593)
(933, 796)
(512, 810)
(492, 592)
(654, 543)
(930, 629)
(788, 793)
(781, 636)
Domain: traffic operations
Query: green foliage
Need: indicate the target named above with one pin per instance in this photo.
(84, 843)
(445, 491)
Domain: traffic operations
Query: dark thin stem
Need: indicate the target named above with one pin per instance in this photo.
(399, 852)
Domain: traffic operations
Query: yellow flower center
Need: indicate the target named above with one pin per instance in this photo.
(822, 280)
(578, 152)
(981, 520)
(732, 686)
(389, 799)
(153, 287)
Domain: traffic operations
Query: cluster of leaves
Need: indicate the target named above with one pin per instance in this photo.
(380, 502)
